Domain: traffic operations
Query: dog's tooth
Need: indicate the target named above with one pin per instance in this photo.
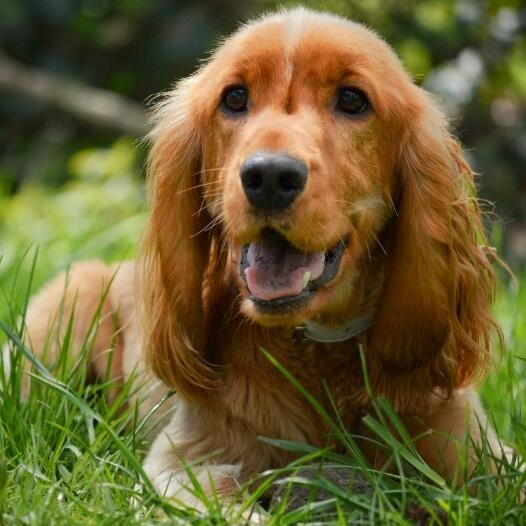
(306, 277)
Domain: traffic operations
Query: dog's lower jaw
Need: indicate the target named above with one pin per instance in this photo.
(290, 316)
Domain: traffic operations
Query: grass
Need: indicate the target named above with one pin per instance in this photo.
(69, 457)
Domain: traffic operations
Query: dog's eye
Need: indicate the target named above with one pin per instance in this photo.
(352, 101)
(235, 99)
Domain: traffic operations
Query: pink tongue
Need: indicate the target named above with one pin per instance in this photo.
(276, 268)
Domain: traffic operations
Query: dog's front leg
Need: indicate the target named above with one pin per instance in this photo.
(184, 462)
(195, 466)
(448, 436)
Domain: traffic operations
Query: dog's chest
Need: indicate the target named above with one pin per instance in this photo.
(286, 400)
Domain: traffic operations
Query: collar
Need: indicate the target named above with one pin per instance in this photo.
(311, 330)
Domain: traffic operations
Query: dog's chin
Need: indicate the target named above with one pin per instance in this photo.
(284, 285)
(286, 314)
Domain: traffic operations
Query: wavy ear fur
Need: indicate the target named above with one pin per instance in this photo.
(176, 251)
(434, 328)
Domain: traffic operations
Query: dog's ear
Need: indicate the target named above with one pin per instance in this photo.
(434, 327)
(176, 249)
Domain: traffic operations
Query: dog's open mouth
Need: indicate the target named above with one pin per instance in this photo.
(277, 274)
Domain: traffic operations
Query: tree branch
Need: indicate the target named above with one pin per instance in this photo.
(98, 107)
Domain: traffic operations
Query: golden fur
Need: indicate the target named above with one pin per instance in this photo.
(393, 182)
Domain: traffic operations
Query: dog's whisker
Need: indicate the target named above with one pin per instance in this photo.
(378, 242)
(217, 200)
(209, 170)
(226, 234)
(206, 184)
(205, 171)
(201, 209)
(214, 195)
(207, 228)
(392, 203)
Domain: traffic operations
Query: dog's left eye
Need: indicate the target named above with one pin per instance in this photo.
(235, 100)
(352, 101)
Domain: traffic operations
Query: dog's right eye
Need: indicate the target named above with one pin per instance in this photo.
(235, 100)
(352, 101)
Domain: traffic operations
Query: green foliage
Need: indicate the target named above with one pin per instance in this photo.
(70, 457)
(98, 213)
(504, 390)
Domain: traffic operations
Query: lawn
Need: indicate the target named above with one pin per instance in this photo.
(67, 457)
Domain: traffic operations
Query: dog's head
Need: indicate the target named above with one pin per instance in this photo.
(303, 163)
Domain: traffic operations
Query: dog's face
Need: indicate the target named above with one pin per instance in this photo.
(298, 164)
(300, 159)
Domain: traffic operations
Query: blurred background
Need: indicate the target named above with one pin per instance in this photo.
(76, 76)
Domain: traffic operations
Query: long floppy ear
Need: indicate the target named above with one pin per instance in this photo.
(176, 250)
(434, 328)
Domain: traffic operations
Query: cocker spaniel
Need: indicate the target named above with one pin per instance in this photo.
(307, 199)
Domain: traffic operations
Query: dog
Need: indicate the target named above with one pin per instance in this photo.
(309, 204)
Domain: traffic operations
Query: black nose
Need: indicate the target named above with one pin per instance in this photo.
(271, 181)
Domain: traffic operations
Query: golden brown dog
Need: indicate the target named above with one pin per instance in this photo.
(307, 199)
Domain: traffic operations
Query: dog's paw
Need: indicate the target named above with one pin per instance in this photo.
(186, 483)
